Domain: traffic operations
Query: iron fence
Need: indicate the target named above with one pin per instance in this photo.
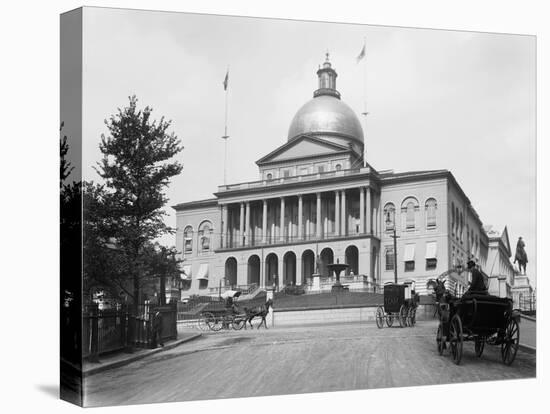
(110, 330)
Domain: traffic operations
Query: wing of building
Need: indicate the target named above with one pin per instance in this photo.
(317, 202)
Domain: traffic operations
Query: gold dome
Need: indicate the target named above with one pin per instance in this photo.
(326, 115)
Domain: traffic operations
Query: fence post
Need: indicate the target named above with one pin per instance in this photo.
(130, 332)
(94, 346)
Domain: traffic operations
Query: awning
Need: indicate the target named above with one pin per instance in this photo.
(186, 272)
(431, 250)
(203, 272)
(409, 253)
(231, 294)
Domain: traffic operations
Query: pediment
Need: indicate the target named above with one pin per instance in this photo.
(302, 147)
(506, 240)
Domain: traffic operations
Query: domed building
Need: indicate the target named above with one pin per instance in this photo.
(318, 202)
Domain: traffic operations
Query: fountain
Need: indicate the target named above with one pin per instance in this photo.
(337, 269)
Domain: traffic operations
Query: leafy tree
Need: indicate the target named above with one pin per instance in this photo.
(136, 167)
(65, 166)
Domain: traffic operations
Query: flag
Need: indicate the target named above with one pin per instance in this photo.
(361, 54)
(226, 80)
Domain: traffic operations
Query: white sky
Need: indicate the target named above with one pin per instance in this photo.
(460, 101)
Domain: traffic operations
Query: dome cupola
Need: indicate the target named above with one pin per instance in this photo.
(326, 115)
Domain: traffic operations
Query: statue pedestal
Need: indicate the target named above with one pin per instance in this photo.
(316, 284)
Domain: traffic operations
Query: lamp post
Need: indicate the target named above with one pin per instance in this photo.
(394, 237)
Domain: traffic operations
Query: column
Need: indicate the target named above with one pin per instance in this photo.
(369, 212)
(343, 224)
(241, 226)
(225, 238)
(264, 223)
(247, 221)
(282, 225)
(318, 225)
(300, 208)
(337, 212)
(361, 210)
(280, 273)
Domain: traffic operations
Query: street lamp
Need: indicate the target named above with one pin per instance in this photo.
(394, 237)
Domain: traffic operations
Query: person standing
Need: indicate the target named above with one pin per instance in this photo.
(157, 329)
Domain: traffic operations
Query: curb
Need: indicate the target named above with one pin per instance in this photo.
(130, 359)
(528, 349)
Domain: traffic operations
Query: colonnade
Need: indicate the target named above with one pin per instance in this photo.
(290, 219)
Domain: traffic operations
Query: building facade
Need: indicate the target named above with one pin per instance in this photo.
(318, 202)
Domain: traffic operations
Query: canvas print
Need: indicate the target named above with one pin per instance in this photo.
(257, 207)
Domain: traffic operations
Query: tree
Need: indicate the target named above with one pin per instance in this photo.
(64, 165)
(136, 167)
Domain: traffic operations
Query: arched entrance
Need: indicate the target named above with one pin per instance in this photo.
(271, 269)
(327, 257)
(253, 270)
(308, 264)
(352, 259)
(289, 269)
(231, 271)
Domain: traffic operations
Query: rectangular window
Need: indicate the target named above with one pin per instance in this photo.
(286, 173)
(390, 259)
(321, 168)
(409, 266)
(431, 264)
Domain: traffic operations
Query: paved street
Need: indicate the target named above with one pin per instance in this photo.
(298, 360)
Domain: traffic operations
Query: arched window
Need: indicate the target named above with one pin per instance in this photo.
(338, 167)
(269, 176)
(431, 206)
(205, 235)
(408, 207)
(188, 239)
(389, 216)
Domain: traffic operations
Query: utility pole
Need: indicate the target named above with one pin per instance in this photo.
(394, 237)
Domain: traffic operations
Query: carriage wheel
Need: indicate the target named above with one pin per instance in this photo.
(403, 316)
(380, 317)
(440, 339)
(479, 345)
(213, 322)
(238, 323)
(202, 323)
(412, 317)
(455, 339)
(389, 320)
(510, 345)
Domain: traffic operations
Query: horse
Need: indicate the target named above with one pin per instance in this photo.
(521, 256)
(442, 295)
(258, 312)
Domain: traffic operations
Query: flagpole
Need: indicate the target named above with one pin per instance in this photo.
(365, 112)
(225, 136)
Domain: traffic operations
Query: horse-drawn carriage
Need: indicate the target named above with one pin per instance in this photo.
(400, 303)
(230, 315)
(483, 319)
(226, 317)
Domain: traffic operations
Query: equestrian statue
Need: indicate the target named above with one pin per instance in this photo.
(521, 256)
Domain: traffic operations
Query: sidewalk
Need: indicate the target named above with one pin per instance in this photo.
(121, 358)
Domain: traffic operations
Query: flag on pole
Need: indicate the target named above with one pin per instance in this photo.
(226, 80)
(361, 54)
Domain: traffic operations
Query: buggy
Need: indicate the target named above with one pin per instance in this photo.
(481, 318)
(400, 303)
